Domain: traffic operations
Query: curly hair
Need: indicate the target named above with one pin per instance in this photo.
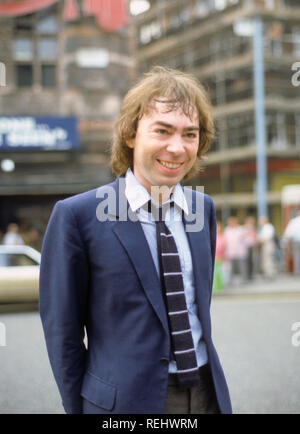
(180, 90)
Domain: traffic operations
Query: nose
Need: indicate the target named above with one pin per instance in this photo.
(176, 145)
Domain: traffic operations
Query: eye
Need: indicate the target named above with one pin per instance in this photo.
(161, 131)
(191, 135)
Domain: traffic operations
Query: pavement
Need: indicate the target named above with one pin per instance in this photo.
(281, 284)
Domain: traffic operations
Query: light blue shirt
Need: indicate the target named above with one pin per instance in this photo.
(138, 196)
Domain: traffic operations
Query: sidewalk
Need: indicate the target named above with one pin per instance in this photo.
(281, 284)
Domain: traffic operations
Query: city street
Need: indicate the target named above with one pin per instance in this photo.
(251, 332)
(105, 105)
(254, 340)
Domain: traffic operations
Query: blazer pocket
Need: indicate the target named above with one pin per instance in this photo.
(98, 392)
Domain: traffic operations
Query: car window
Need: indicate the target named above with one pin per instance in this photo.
(15, 259)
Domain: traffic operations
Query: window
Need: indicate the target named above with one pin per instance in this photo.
(23, 49)
(47, 24)
(46, 49)
(48, 75)
(15, 260)
(24, 23)
(240, 130)
(24, 75)
(35, 48)
(291, 4)
(149, 32)
(202, 8)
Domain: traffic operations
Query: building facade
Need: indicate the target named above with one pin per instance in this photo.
(214, 39)
(67, 67)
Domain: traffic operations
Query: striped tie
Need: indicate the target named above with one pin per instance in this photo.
(179, 325)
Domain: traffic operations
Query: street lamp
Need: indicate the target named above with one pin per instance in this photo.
(7, 165)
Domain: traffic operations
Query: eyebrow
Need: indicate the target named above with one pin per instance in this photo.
(170, 126)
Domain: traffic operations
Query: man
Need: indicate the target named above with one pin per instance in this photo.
(292, 235)
(236, 249)
(12, 236)
(266, 237)
(107, 275)
(251, 243)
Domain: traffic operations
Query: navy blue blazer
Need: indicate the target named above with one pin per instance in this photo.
(99, 277)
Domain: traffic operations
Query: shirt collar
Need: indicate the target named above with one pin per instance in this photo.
(137, 195)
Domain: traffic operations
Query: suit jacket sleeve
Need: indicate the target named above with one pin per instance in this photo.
(63, 301)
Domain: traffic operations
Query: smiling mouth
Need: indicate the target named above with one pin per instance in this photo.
(169, 165)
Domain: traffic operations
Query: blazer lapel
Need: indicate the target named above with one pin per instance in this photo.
(131, 235)
(196, 239)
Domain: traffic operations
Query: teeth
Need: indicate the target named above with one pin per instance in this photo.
(169, 165)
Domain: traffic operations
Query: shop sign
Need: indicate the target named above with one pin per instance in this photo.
(38, 133)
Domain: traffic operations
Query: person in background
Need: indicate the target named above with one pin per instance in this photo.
(236, 249)
(266, 239)
(12, 236)
(292, 235)
(251, 240)
(219, 260)
(32, 238)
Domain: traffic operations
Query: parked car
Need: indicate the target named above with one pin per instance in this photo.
(19, 273)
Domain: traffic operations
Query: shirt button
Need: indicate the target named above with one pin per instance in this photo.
(164, 360)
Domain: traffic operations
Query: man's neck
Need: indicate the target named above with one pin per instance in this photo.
(160, 194)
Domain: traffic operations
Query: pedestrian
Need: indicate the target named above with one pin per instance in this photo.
(236, 250)
(140, 286)
(12, 236)
(266, 238)
(292, 235)
(251, 243)
(219, 260)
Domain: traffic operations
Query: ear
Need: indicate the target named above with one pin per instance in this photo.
(130, 143)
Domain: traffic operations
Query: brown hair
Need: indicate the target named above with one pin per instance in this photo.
(181, 90)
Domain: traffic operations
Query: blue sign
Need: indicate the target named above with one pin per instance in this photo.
(38, 133)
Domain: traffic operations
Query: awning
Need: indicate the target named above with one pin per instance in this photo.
(110, 15)
(23, 7)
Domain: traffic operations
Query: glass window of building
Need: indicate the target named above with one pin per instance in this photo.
(48, 76)
(24, 23)
(47, 49)
(291, 3)
(24, 75)
(23, 49)
(202, 8)
(240, 130)
(47, 23)
(35, 48)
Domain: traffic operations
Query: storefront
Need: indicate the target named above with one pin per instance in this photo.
(28, 189)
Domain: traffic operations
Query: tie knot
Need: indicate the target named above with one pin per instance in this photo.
(158, 213)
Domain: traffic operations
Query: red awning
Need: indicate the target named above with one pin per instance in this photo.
(23, 7)
(71, 11)
(111, 15)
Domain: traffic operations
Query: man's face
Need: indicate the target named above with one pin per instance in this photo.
(165, 146)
